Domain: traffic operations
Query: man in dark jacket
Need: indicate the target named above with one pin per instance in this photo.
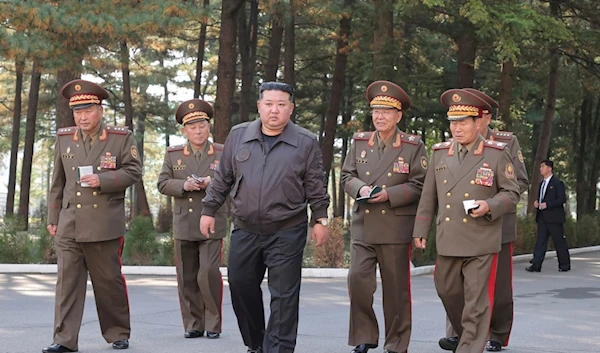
(550, 218)
(272, 169)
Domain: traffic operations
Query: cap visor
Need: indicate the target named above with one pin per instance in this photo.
(81, 106)
(195, 120)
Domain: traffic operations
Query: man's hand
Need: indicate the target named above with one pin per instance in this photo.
(381, 196)
(364, 191)
(205, 182)
(480, 211)
(320, 234)
(420, 243)
(207, 224)
(543, 206)
(52, 229)
(191, 185)
(91, 179)
(536, 204)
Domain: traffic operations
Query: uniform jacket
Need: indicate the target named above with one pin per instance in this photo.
(555, 199)
(448, 183)
(269, 188)
(92, 214)
(400, 171)
(180, 163)
(509, 225)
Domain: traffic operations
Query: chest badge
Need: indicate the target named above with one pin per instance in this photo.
(363, 154)
(179, 166)
(215, 165)
(108, 161)
(484, 176)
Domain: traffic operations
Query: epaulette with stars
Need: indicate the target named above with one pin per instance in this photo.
(66, 130)
(501, 135)
(175, 148)
(119, 130)
(495, 144)
(412, 139)
(363, 135)
(442, 145)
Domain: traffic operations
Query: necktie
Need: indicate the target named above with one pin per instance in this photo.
(198, 156)
(542, 191)
(87, 144)
(381, 148)
(462, 154)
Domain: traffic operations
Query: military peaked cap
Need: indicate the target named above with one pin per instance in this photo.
(82, 94)
(193, 110)
(386, 94)
(463, 104)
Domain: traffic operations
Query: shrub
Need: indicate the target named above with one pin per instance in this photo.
(427, 257)
(141, 247)
(526, 235)
(45, 252)
(166, 256)
(15, 245)
(331, 254)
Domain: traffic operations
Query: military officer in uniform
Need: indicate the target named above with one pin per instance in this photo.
(471, 183)
(502, 315)
(197, 257)
(93, 165)
(382, 226)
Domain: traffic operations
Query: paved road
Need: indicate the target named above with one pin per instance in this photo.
(554, 312)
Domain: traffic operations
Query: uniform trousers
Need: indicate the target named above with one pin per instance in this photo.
(545, 231)
(394, 267)
(249, 256)
(466, 287)
(103, 262)
(199, 283)
(503, 311)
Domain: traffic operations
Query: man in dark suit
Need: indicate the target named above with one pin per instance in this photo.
(550, 218)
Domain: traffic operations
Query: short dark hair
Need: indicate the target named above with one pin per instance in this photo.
(276, 86)
(548, 162)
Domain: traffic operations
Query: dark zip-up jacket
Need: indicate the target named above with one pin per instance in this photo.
(269, 188)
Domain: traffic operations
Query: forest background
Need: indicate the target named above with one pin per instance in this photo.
(539, 59)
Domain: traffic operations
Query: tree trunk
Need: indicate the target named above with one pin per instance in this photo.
(337, 88)
(594, 169)
(226, 69)
(383, 41)
(16, 131)
(544, 141)
(467, 50)
(277, 21)
(346, 117)
(142, 205)
(247, 35)
(64, 114)
(34, 94)
(505, 98)
(581, 158)
(334, 191)
(200, 52)
(126, 85)
(290, 50)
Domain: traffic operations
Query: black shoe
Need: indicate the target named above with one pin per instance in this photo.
(212, 335)
(449, 343)
(193, 334)
(564, 269)
(257, 350)
(533, 268)
(363, 348)
(120, 344)
(493, 346)
(57, 348)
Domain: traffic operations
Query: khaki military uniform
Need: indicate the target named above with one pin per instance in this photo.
(199, 280)
(91, 226)
(382, 233)
(467, 247)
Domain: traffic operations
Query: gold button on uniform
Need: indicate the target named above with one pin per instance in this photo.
(448, 207)
(78, 205)
(472, 182)
(367, 211)
(382, 211)
(383, 186)
(95, 193)
(448, 194)
(78, 193)
(98, 168)
(95, 206)
(447, 219)
(73, 168)
(467, 195)
(389, 175)
(191, 210)
(445, 181)
(191, 199)
(368, 173)
(465, 220)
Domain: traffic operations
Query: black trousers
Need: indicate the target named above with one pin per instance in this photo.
(545, 231)
(249, 256)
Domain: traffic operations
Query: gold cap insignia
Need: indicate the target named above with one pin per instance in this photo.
(384, 88)
(191, 106)
(78, 87)
(456, 97)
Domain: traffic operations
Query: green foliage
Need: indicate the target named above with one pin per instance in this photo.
(15, 245)
(141, 247)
